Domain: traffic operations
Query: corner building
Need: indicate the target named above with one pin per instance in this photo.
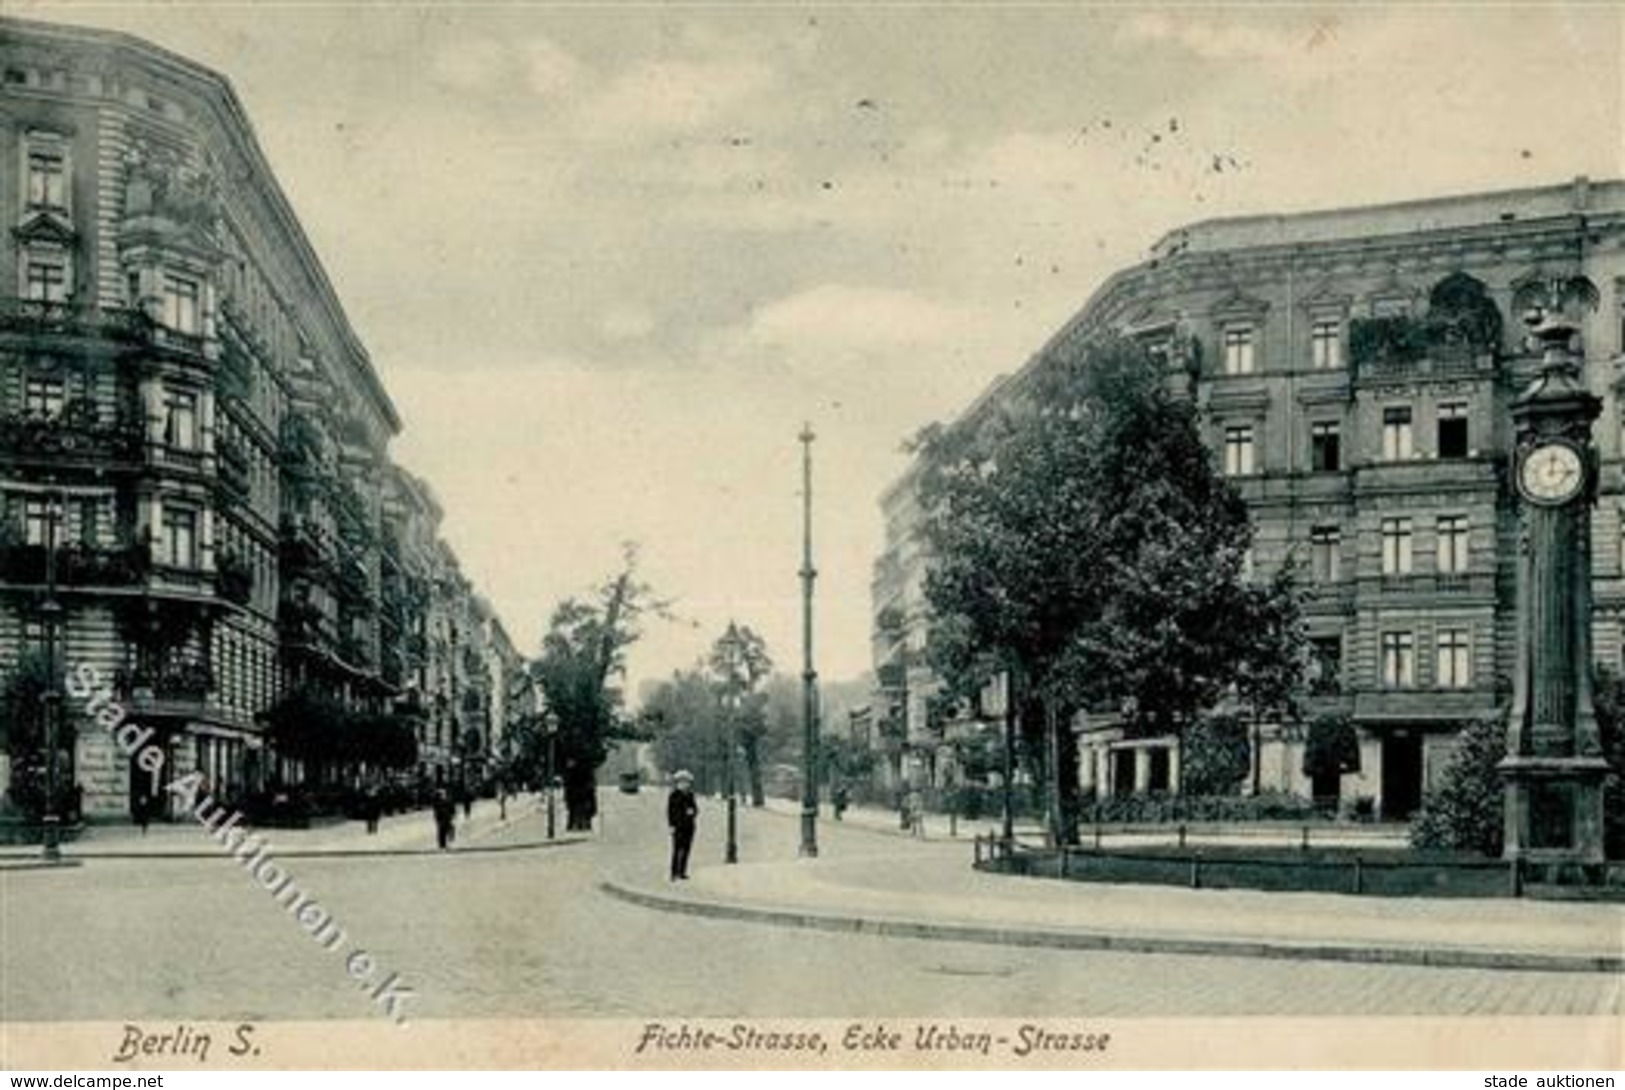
(1355, 369)
(187, 415)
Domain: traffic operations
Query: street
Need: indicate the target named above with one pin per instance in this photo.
(526, 933)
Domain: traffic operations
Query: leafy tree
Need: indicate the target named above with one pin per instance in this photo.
(739, 663)
(1331, 748)
(22, 732)
(687, 728)
(584, 647)
(1215, 756)
(309, 726)
(1081, 539)
(1465, 812)
(1610, 705)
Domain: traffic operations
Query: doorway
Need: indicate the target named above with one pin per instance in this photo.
(1401, 774)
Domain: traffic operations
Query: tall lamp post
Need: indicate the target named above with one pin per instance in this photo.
(728, 696)
(51, 699)
(809, 676)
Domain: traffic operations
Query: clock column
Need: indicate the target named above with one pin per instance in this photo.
(1554, 766)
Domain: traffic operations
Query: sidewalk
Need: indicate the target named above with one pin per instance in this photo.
(929, 890)
(410, 833)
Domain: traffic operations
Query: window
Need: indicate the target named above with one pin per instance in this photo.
(1325, 664)
(43, 396)
(45, 276)
(85, 525)
(38, 514)
(179, 537)
(47, 178)
(1326, 345)
(1452, 544)
(1454, 659)
(1325, 447)
(1396, 433)
(1398, 660)
(182, 311)
(180, 420)
(1396, 546)
(1238, 350)
(1325, 545)
(1453, 429)
(1238, 450)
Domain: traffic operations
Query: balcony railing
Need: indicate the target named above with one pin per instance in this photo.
(168, 681)
(234, 579)
(37, 318)
(76, 565)
(69, 434)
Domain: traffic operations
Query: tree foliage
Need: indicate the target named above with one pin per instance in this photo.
(1215, 756)
(739, 664)
(1465, 812)
(583, 649)
(1081, 538)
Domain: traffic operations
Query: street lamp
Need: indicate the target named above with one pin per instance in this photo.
(728, 696)
(809, 676)
(551, 723)
(51, 699)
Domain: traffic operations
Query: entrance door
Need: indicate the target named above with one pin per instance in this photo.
(1401, 775)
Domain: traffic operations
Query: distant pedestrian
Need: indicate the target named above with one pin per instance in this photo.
(840, 801)
(914, 812)
(142, 812)
(445, 818)
(682, 812)
(372, 808)
(468, 801)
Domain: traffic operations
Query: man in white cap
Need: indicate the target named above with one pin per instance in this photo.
(681, 812)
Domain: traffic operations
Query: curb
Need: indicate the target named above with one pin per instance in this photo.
(315, 853)
(38, 864)
(1117, 942)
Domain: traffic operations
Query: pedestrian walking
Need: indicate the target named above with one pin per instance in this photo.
(468, 801)
(142, 812)
(445, 818)
(372, 807)
(682, 812)
(914, 807)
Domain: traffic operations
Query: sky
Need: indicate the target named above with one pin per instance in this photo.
(608, 260)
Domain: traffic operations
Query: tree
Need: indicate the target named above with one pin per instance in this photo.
(1081, 539)
(739, 663)
(1465, 813)
(22, 732)
(584, 647)
(687, 728)
(1215, 756)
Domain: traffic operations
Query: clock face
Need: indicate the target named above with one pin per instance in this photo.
(1551, 473)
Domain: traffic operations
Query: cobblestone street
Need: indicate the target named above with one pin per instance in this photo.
(527, 934)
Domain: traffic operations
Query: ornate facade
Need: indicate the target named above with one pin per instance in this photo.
(187, 416)
(1355, 369)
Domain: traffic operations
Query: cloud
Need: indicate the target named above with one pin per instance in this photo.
(1228, 40)
(856, 318)
(483, 65)
(674, 96)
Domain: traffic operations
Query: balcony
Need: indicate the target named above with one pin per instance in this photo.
(301, 622)
(174, 681)
(234, 580)
(76, 433)
(40, 320)
(1402, 348)
(304, 547)
(184, 459)
(232, 468)
(77, 565)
